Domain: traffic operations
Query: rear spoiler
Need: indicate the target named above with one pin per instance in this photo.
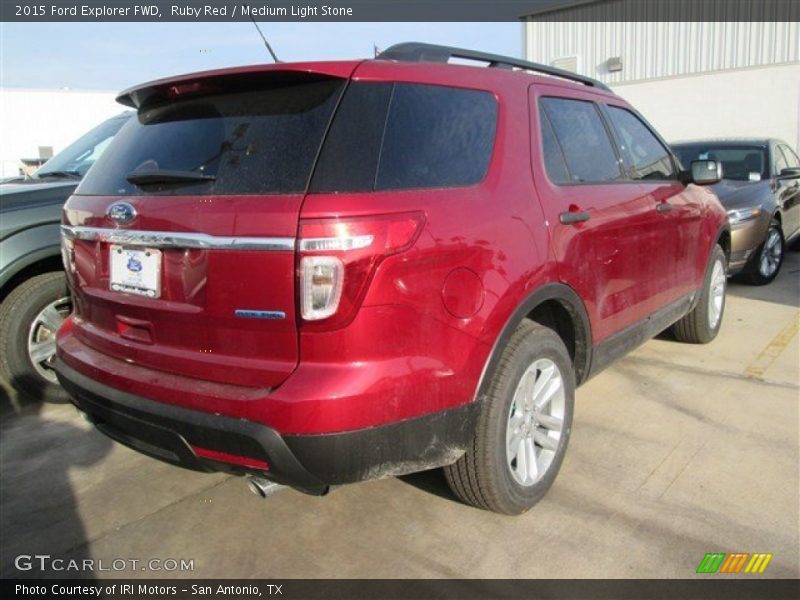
(210, 82)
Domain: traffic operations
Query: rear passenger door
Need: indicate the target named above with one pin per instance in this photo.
(678, 224)
(605, 231)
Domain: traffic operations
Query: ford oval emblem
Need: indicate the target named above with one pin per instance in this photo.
(121, 212)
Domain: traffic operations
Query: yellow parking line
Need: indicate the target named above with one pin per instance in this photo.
(772, 350)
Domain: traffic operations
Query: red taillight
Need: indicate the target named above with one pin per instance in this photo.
(233, 459)
(337, 258)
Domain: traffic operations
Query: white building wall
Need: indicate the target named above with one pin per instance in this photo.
(690, 80)
(661, 49)
(32, 118)
(758, 102)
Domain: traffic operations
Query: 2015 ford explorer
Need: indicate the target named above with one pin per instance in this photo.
(320, 273)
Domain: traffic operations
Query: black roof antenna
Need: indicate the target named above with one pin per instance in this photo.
(266, 43)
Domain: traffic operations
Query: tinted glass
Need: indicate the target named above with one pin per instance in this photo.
(436, 137)
(402, 136)
(584, 140)
(790, 156)
(742, 163)
(553, 157)
(79, 156)
(643, 152)
(261, 141)
(349, 158)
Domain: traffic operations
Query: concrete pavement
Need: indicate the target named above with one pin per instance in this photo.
(677, 450)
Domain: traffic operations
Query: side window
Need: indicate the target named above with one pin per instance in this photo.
(553, 156)
(644, 153)
(583, 139)
(389, 136)
(791, 157)
(780, 161)
(436, 137)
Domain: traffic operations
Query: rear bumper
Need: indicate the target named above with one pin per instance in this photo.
(309, 463)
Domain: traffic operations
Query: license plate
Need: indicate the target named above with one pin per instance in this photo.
(136, 271)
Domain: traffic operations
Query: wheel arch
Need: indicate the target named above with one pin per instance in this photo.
(723, 239)
(45, 260)
(558, 307)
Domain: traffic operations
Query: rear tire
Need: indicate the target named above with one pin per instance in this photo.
(703, 323)
(768, 259)
(524, 426)
(29, 318)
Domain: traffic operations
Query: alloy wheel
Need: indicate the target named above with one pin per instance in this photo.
(716, 295)
(42, 337)
(771, 254)
(535, 422)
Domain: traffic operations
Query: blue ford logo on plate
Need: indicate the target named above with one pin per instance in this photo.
(134, 264)
(121, 212)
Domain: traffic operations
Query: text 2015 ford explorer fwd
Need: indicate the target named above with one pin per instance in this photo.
(320, 273)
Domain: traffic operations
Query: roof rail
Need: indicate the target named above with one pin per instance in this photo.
(418, 52)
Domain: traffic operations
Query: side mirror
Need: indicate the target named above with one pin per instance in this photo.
(706, 172)
(789, 173)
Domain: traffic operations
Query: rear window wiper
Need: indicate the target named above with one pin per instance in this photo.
(60, 174)
(167, 176)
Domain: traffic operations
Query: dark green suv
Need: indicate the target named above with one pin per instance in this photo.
(32, 288)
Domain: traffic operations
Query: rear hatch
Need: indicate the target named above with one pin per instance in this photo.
(180, 240)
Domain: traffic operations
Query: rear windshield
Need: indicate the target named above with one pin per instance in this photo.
(262, 141)
(742, 163)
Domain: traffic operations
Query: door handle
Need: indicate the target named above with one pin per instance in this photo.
(572, 217)
(664, 207)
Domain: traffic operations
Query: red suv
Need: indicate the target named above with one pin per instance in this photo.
(320, 273)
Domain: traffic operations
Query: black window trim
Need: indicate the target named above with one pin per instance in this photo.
(629, 168)
(383, 139)
(542, 111)
(328, 126)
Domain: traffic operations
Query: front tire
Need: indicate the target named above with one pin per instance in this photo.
(768, 259)
(703, 323)
(524, 426)
(29, 319)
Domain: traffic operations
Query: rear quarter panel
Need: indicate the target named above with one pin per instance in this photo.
(494, 230)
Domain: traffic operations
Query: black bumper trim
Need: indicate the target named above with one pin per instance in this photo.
(309, 463)
(168, 432)
(409, 446)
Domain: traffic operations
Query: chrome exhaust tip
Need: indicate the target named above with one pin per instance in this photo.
(263, 488)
